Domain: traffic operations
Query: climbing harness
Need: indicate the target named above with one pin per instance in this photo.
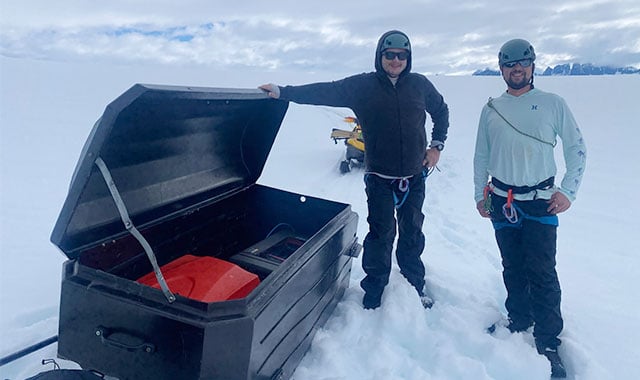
(404, 185)
(509, 209)
(490, 104)
(514, 214)
(403, 188)
(551, 220)
(544, 185)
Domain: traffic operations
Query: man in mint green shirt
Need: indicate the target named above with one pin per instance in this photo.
(514, 178)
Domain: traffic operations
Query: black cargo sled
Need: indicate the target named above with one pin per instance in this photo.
(180, 265)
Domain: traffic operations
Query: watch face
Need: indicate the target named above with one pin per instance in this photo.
(440, 147)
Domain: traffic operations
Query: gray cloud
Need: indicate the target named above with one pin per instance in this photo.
(330, 36)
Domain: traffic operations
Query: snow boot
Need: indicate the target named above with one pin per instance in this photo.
(509, 324)
(425, 298)
(345, 166)
(557, 368)
(427, 302)
(371, 301)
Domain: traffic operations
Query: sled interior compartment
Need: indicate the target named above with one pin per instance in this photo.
(265, 256)
(241, 225)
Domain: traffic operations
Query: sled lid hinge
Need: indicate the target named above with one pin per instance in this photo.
(128, 224)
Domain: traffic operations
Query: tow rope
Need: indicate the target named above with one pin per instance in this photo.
(490, 104)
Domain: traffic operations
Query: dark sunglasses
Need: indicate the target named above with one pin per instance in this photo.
(523, 62)
(390, 55)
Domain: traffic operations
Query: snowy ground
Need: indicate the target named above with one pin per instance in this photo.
(47, 110)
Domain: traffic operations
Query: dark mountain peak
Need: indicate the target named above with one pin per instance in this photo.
(573, 69)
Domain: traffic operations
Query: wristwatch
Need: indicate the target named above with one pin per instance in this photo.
(439, 146)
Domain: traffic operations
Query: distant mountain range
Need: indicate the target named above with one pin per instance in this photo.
(574, 69)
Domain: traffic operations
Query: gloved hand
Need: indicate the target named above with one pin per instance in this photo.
(271, 89)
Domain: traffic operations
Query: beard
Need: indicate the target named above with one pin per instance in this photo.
(517, 85)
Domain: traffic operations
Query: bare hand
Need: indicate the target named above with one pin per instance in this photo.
(431, 158)
(483, 212)
(271, 89)
(558, 203)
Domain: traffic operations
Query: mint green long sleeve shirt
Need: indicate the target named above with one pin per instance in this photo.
(512, 157)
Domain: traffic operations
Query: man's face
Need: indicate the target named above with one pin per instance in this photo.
(517, 76)
(394, 66)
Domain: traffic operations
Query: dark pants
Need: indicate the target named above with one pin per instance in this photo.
(378, 244)
(528, 250)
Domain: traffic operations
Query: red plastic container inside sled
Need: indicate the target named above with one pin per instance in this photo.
(205, 279)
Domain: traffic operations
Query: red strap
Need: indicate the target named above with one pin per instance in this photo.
(509, 198)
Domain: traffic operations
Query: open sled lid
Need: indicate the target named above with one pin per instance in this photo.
(167, 149)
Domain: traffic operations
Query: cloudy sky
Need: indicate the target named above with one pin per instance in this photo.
(333, 36)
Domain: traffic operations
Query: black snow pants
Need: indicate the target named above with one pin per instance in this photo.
(385, 200)
(528, 250)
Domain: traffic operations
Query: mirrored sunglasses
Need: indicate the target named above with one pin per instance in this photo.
(523, 62)
(390, 55)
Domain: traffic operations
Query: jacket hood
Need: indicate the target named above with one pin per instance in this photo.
(379, 49)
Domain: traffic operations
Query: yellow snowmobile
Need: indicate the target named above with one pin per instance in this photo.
(354, 155)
